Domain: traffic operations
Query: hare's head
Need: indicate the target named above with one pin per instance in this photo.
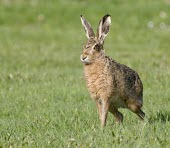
(93, 48)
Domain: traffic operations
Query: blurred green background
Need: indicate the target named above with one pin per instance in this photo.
(43, 97)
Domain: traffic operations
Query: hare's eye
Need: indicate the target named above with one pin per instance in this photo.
(97, 47)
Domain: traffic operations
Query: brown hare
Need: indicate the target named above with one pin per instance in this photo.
(110, 84)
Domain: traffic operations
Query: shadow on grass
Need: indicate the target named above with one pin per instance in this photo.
(162, 116)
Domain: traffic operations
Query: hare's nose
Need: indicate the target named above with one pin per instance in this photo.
(84, 57)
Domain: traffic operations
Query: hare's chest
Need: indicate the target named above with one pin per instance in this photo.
(98, 80)
(93, 83)
(98, 85)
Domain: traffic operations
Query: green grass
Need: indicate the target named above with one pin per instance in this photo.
(43, 98)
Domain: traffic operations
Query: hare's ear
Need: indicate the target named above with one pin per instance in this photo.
(103, 29)
(87, 27)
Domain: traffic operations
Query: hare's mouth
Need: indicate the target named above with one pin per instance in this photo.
(85, 59)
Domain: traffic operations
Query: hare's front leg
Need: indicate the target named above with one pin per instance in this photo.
(103, 107)
(116, 113)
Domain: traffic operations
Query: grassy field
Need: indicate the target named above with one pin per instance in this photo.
(43, 98)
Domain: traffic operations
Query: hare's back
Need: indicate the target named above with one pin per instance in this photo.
(127, 81)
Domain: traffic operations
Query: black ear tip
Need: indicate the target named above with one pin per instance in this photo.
(107, 15)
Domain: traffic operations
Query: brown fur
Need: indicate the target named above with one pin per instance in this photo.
(110, 84)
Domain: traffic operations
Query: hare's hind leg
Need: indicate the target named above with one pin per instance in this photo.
(116, 114)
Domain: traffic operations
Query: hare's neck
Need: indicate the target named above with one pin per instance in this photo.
(100, 58)
(96, 67)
